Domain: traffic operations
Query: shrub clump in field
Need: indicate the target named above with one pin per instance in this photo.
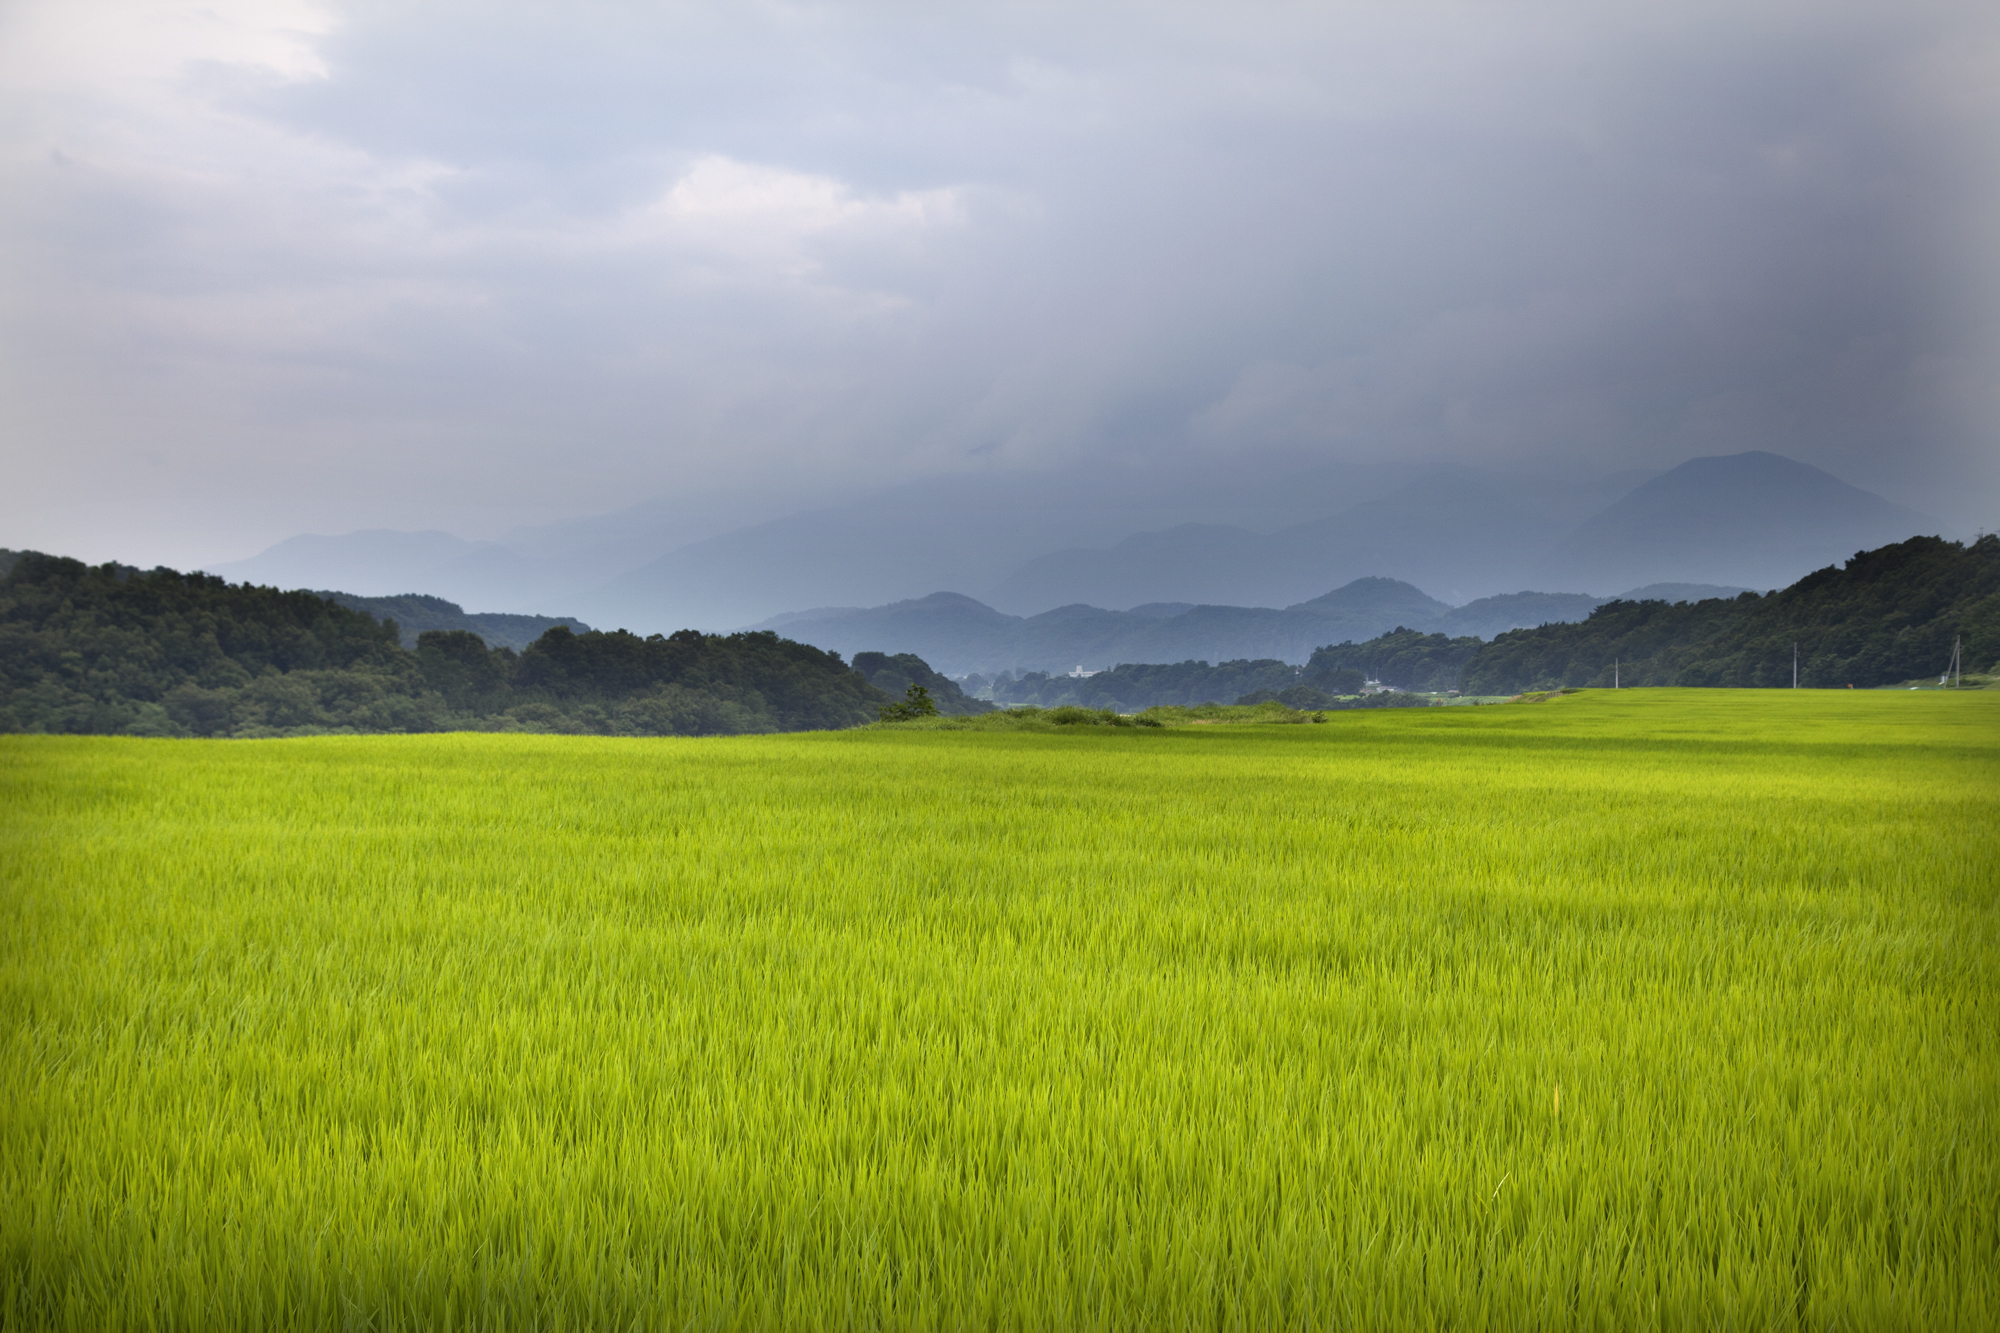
(1028, 718)
(915, 703)
(1073, 716)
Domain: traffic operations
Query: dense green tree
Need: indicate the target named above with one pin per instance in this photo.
(915, 703)
(458, 664)
(798, 687)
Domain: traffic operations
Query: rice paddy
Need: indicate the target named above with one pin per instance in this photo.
(1659, 1009)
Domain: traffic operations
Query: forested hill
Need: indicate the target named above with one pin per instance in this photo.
(112, 649)
(414, 613)
(1886, 616)
(1404, 658)
(894, 674)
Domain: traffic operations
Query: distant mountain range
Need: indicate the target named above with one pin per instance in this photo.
(1034, 547)
(1461, 534)
(957, 635)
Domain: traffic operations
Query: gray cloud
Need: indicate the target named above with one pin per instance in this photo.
(275, 268)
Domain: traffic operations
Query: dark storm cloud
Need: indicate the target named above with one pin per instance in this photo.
(463, 266)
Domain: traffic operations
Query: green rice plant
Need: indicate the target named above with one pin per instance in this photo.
(1650, 1009)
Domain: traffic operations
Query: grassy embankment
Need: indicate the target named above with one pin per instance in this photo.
(1659, 1009)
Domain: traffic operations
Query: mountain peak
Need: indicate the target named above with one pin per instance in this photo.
(1755, 517)
(1374, 593)
(946, 601)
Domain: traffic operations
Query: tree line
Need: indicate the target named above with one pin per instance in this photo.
(1886, 616)
(112, 649)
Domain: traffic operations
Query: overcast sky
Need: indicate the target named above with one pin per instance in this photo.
(269, 266)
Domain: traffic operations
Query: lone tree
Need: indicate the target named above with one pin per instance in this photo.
(916, 703)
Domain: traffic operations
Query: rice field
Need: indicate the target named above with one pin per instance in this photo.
(1658, 1009)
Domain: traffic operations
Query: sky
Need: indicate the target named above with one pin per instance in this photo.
(271, 266)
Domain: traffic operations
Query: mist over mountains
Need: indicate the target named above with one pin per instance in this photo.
(1018, 552)
(1461, 534)
(958, 635)
(1753, 518)
(693, 315)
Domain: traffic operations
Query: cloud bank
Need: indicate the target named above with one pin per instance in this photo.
(281, 266)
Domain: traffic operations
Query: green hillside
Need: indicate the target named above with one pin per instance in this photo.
(415, 613)
(893, 675)
(1407, 659)
(1886, 616)
(115, 650)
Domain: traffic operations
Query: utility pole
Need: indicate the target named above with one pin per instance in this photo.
(1795, 665)
(1614, 673)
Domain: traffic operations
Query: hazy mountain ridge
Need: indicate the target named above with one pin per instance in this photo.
(1752, 519)
(959, 635)
(1452, 529)
(1517, 610)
